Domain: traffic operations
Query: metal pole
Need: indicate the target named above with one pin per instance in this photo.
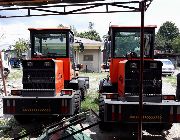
(142, 8)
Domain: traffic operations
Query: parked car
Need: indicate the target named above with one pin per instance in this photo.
(15, 62)
(168, 67)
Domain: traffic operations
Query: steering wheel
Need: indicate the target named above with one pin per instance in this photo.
(131, 55)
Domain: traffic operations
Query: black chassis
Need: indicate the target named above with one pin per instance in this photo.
(159, 112)
(79, 83)
(40, 105)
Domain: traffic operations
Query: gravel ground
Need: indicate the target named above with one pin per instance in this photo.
(94, 132)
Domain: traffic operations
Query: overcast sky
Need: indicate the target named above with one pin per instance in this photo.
(159, 12)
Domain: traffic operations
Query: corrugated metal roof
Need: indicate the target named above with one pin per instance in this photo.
(87, 41)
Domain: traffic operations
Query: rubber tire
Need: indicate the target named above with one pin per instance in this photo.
(83, 93)
(104, 126)
(178, 87)
(157, 129)
(77, 102)
(178, 93)
(24, 119)
(101, 86)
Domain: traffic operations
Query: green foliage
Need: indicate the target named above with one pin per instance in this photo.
(92, 34)
(171, 79)
(91, 102)
(168, 31)
(21, 46)
(14, 75)
(176, 44)
(159, 42)
(165, 36)
(128, 42)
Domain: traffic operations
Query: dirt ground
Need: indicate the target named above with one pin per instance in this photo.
(94, 133)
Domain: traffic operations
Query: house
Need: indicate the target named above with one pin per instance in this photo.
(91, 56)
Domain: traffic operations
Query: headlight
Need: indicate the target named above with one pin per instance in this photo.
(29, 64)
(47, 64)
(153, 65)
(133, 65)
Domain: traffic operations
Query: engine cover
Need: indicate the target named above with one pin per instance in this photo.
(129, 78)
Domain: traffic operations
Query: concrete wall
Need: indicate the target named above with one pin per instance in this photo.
(95, 64)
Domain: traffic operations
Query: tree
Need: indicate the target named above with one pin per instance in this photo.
(168, 31)
(176, 44)
(166, 34)
(91, 25)
(20, 47)
(74, 30)
(60, 26)
(159, 42)
(92, 34)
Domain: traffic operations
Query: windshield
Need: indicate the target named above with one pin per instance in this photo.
(50, 44)
(126, 42)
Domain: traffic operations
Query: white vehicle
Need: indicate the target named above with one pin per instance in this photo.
(168, 67)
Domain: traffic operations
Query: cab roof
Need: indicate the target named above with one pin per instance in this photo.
(45, 29)
(57, 30)
(124, 27)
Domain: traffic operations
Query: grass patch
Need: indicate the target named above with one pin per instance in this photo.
(90, 104)
(91, 100)
(15, 74)
(171, 79)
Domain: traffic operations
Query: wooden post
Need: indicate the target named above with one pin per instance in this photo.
(2, 74)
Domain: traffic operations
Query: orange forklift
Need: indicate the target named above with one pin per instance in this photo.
(119, 93)
(50, 85)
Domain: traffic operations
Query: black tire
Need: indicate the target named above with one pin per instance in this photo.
(83, 93)
(77, 102)
(178, 87)
(104, 126)
(24, 119)
(101, 86)
(178, 93)
(157, 129)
